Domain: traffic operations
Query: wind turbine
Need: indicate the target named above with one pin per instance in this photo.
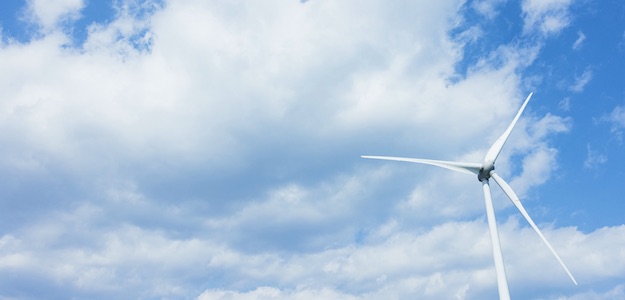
(484, 172)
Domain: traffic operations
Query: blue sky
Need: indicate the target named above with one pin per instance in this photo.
(211, 150)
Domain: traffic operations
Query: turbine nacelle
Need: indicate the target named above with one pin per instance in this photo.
(484, 173)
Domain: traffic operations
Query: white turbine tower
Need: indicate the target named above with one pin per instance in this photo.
(484, 172)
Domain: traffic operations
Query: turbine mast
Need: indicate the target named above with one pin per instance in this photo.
(502, 282)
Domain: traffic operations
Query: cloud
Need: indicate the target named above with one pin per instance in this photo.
(128, 34)
(565, 104)
(616, 118)
(49, 14)
(427, 263)
(487, 8)
(581, 37)
(617, 292)
(581, 81)
(594, 159)
(546, 17)
(211, 150)
(274, 293)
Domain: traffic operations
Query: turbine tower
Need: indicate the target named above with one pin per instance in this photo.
(485, 171)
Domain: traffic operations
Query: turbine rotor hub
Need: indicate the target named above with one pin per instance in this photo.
(485, 171)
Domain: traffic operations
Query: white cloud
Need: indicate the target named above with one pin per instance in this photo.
(594, 159)
(430, 263)
(581, 37)
(540, 159)
(616, 118)
(547, 17)
(581, 81)
(49, 13)
(616, 293)
(274, 293)
(537, 168)
(565, 104)
(487, 8)
(211, 149)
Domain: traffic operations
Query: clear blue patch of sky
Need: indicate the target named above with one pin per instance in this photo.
(587, 197)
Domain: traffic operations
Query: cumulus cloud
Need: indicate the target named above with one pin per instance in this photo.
(617, 293)
(211, 149)
(273, 293)
(138, 262)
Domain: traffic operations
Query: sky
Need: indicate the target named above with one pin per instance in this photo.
(198, 149)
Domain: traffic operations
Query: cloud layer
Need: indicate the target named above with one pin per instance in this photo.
(211, 149)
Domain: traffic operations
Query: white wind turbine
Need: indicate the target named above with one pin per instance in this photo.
(484, 172)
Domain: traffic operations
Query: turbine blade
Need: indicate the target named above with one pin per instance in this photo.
(469, 168)
(495, 149)
(502, 281)
(513, 197)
